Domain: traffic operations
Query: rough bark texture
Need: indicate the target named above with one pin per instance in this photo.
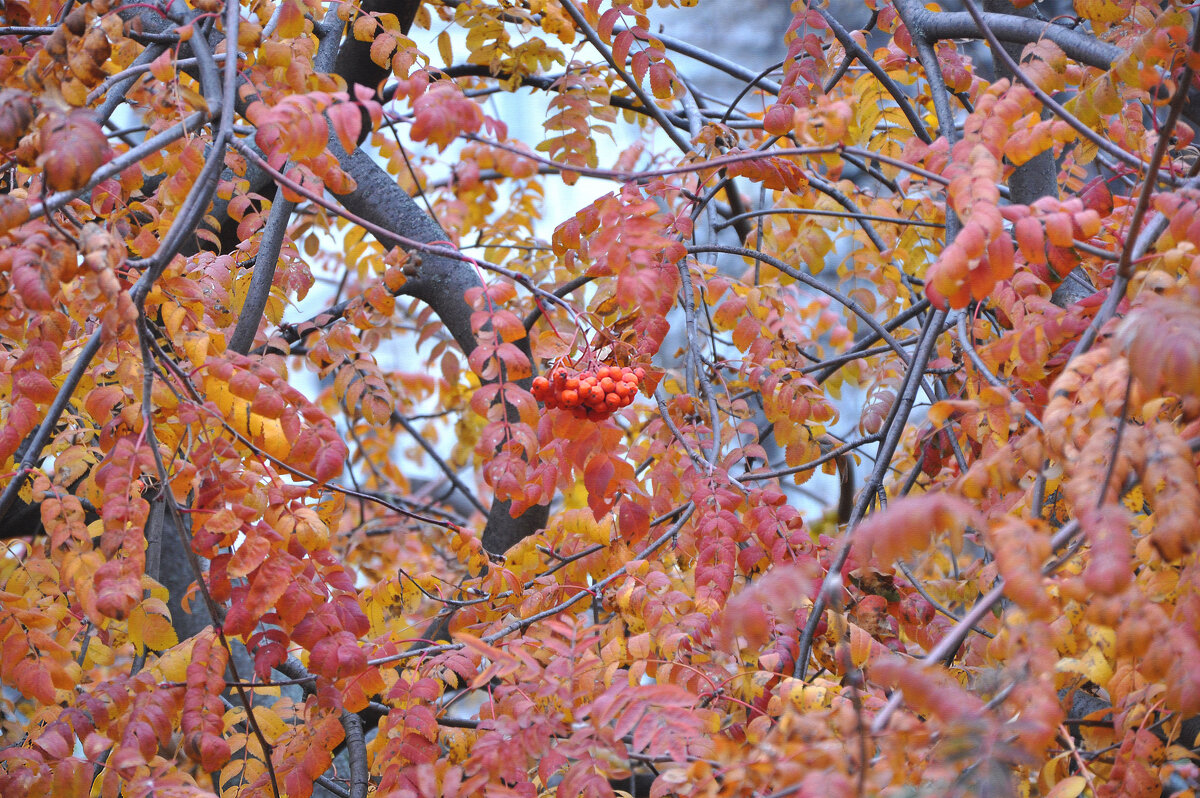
(354, 59)
(440, 283)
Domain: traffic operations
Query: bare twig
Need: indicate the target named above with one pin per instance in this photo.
(524, 623)
(894, 428)
(855, 49)
(835, 214)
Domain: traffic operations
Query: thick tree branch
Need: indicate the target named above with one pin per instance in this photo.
(354, 58)
(441, 283)
(263, 277)
(936, 25)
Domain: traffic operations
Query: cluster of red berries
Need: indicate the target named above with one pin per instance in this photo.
(594, 395)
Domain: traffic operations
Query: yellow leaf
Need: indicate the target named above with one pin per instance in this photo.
(1134, 500)
(150, 630)
(1105, 11)
(266, 433)
(1104, 638)
(173, 662)
(269, 722)
(74, 92)
(291, 20)
(364, 28)
(1092, 665)
(330, 508)
(310, 529)
(373, 609)
(805, 697)
(99, 654)
(244, 769)
(192, 98)
(406, 595)
(1070, 787)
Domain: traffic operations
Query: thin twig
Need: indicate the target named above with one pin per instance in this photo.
(894, 427)
(955, 636)
(964, 339)
(524, 623)
(836, 214)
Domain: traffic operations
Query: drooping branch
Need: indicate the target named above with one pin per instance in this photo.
(441, 283)
(898, 416)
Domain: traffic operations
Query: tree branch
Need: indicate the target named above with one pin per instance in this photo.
(441, 283)
(936, 25)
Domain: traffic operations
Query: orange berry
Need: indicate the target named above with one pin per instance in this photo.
(602, 372)
(612, 400)
(596, 393)
(622, 389)
(572, 383)
(630, 378)
(580, 412)
(640, 373)
(607, 384)
(570, 398)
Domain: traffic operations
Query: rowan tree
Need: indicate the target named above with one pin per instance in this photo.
(958, 249)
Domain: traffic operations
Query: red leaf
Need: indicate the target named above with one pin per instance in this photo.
(27, 280)
(597, 478)
(443, 112)
(347, 123)
(35, 385)
(337, 656)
